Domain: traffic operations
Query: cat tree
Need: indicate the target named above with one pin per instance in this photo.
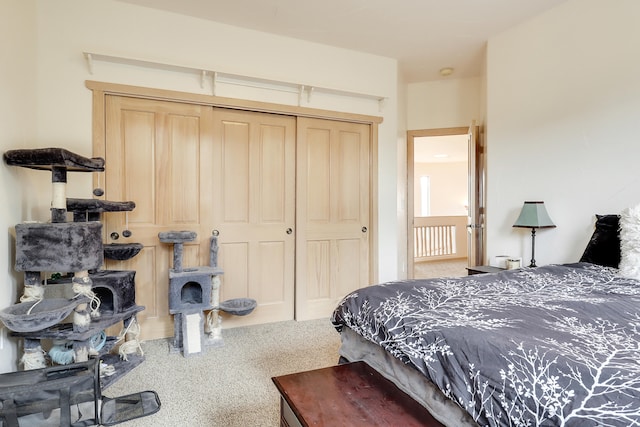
(194, 290)
(75, 308)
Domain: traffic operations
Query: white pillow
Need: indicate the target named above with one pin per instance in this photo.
(630, 243)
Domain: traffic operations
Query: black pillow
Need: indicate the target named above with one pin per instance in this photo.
(604, 246)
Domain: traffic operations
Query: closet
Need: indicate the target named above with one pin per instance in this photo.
(289, 196)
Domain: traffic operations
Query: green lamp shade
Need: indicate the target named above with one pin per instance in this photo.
(534, 215)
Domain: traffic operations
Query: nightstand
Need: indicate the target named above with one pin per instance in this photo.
(480, 269)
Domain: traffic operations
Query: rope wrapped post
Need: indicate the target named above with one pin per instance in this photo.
(33, 355)
(213, 325)
(84, 311)
(130, 334)
(33, 288)
(59, 194)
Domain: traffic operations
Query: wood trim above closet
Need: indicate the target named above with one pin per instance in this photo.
(232, 103)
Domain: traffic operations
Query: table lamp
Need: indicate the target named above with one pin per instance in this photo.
(534, 215)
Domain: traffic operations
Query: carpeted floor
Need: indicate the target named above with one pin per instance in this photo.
(229, 386)
(447, 268)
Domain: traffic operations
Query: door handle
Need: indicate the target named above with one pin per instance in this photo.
(289, 230)
(364, 229)
(215, 233)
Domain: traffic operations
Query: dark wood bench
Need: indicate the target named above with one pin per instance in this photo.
(348, 395)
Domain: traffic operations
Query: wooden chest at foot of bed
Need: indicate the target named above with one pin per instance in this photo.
(349, 395)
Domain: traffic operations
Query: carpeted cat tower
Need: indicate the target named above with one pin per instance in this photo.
(194, 298)
(72, 308)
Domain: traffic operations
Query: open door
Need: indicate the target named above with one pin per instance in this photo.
(476, 221)
(456, 143)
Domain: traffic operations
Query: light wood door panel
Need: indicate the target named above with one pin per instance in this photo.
(154, 153)
(289, 199)
(333, 214)
(254, 189)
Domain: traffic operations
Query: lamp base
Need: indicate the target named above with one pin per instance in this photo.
(533, 248)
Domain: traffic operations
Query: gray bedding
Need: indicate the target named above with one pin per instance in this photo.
(551, 346)
(354, 348)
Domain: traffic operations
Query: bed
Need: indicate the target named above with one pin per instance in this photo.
(557, 345)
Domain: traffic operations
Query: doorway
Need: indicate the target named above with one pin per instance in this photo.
(444, 196)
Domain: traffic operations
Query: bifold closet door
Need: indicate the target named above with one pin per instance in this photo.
(253, 193)
(333, 213)
(157, 155)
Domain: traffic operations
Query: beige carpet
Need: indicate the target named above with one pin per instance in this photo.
(434, 269)
(229, 386)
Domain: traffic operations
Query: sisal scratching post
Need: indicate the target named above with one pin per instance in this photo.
(83, 312)
(131, 334)
(33, 288)
(81, 317)
(33, 355)
(58, 194)
(213, 326)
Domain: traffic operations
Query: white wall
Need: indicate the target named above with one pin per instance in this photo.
(45, 101)
(17, 129)
(440, 104)
(449, 188)
(69, 27)
(563, 109)
(444, 103)
(401, 180)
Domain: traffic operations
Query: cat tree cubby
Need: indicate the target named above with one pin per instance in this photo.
(72, 309)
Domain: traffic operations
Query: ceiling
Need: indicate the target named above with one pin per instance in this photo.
(423, 35)
(441, 149)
